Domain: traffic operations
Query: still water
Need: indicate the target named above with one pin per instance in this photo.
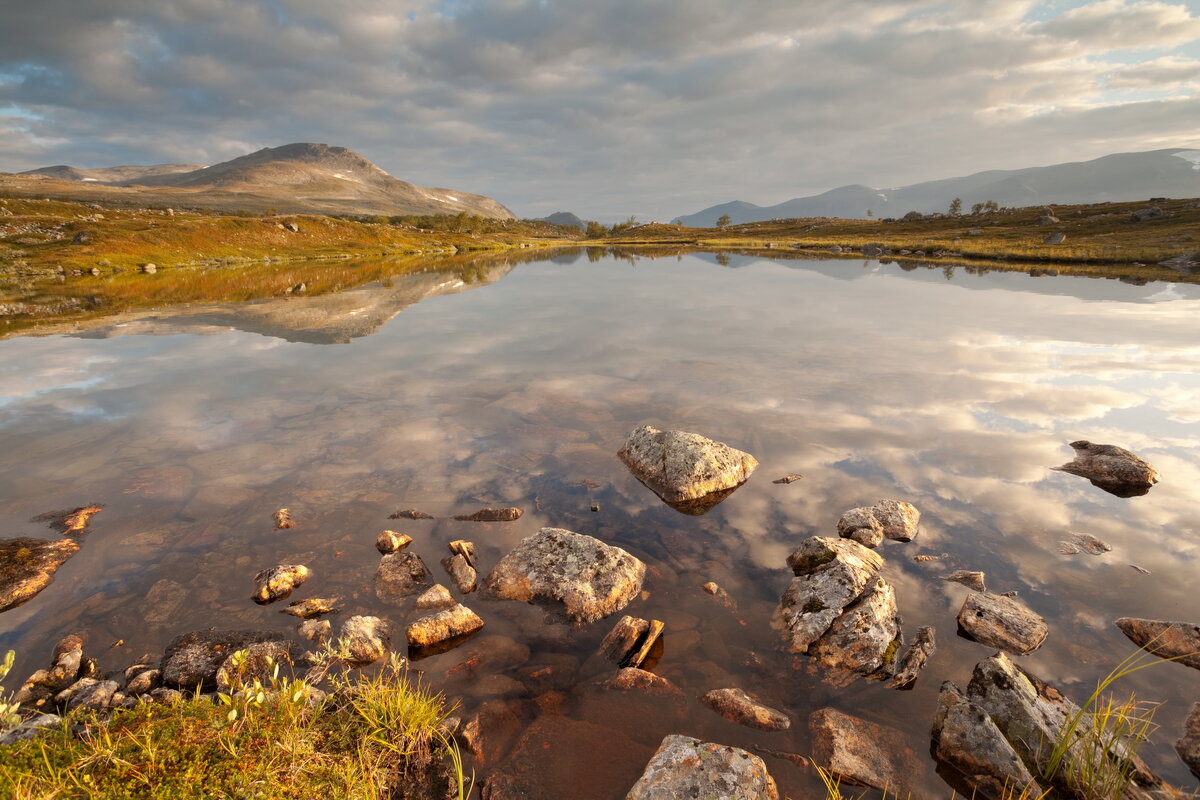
(953, 391)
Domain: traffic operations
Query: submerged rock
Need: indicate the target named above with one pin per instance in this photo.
(434, 598)
(1188, 746)
(685, 767)
(1002, 622)
(28, 565)
(688, 471)
(737, 706)
(720, 595)
(278, 582)
(1111, 468)
(400, 575)
(366, 639)
(317, 631)
(863, 752)
(1178, 641)
(283, 519)
(492, 515)
(192, 660)
(588, 578)
(437, 629)
(312, 607)
(914, 659)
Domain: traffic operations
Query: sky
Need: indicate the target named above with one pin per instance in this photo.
(649, 108)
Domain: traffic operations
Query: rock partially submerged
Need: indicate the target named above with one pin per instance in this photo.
(1111, 468)
(278, 582)
(913, 660)
(400, 575)
(312, 607)
(863, 752)
(869, 525)
(737, 706)
(392, 542)
(410, 513)
(366, 639)
(630, 641)
(970, 579)
(192, 660)
(1178, 641)
(435, 598)
(1188, 746)
(1002, 622)
(434, 631)
(689, 472)
(28, 565)
(492, 515)
(981, 761)
(686, 767)
(588, 578)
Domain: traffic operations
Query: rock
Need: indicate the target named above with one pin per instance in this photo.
(192, 660)
(589, 578)
(438, 629)
(873, 249)
(366, 639)
(863, 639)
(77, 521)
(278, 582)
(1055, 238)
(631, 679)
(312, 607)
(1047, 219)
(1111, 468)
(686, 470)
(490, 731)
(1188, 746)
(463, 574)
(792, 478)
(28, 565)
(863, 752)
(1143, 214)
(434, 598)
(913, 660)
(164, 600)
(88, 693)
(400, 575)
(256, 661)
(1178, 641)
(720, 595)
(317, 631)
(392, 542)
(830, 575)
(737, 706)
(630, 641)
(82, 237)
(492, 515)
(1085, 542)
(149, 269)
(144, 682)
(43, 723)
(982, 762)
(974, 231)
(972, 580)
(1184, 262)
(291, 226)
(684, 767)
(68, 663)
(410, 513)
(283, 519)
(899, 519)
(166, 696)
(861, 525)
(1002, 622)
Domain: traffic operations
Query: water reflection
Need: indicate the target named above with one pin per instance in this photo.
(873, 383)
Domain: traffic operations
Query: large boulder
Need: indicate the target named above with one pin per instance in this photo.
(1002, 622)
(1178, 641)
(863, 752)
(586, 577)
(1111, 468)
(28, 565)
(688, 471)
(192, 660)
(982, 762)
(863, 640)
(686, 767)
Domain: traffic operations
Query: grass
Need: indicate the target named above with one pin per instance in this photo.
(263, 739)
(833, 790)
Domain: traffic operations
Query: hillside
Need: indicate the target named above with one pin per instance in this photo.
(295, 178)
(1124, 176)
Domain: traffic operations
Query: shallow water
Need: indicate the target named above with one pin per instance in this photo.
(951, 390)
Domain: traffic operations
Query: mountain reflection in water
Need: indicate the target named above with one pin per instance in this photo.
(956, 395)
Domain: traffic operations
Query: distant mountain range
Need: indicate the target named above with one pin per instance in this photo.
(1123, 176)
(295, 178)
(565, 218)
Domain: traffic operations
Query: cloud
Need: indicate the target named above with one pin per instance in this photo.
(606, 108)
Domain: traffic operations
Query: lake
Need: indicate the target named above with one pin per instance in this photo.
(516, 385)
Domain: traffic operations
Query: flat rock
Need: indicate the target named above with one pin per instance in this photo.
(435, 598)
(588, 578)
(400, 575)
(1188, 746)
(1178, 641)
(1111, 468)
(863, 752)
(492, 515)
(28, 565)
(970, 579)
(685, 468)
(278, 582)
(366, 638)
(737, 706)
(1002, 622)
(192, 660)
(821, 552)
(435, 629)
(981, 761)
(410, 513)
(684, 767)
(312, 607)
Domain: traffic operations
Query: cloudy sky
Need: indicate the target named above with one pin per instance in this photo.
(655, 108)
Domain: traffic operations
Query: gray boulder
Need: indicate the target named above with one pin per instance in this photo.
(28, 565)
(1111, 468)
(863, 640)
(1002, 622)
(42, 723)
(687, 470)
(582, 576)
(830, 575)
(684, 767)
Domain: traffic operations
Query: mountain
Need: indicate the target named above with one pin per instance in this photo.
(295, 178)
(565, 218)
(1124, 176)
